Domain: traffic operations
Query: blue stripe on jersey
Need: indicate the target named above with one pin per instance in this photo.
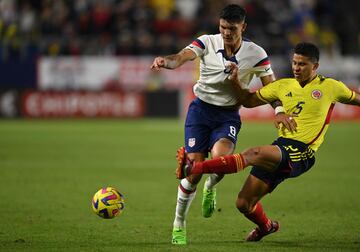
(232, 58)
(200, 43)
(263, 62)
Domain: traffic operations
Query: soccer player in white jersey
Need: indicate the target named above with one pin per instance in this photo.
(213, 120)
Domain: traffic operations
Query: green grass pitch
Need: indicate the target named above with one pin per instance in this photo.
(50, 169)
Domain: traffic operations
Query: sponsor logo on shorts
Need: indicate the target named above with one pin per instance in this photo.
(191, 142)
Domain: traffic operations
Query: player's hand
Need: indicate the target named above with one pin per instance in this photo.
(286, 120)
(233, 69)
(158, 63)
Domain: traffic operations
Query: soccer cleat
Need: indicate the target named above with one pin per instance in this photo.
(257, 234)
(179, 236)
(208, 202)
(184, 164)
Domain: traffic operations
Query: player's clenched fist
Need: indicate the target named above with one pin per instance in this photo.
(233, 69)
(158, 63)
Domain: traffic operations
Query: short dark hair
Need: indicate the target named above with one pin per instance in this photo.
(309, 50)
(233, 13)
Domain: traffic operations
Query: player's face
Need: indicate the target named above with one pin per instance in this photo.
(303, 68)
(231, 32)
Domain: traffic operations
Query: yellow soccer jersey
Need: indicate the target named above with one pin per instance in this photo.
(310, 105)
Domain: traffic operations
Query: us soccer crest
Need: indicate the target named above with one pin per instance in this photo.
(191, 142)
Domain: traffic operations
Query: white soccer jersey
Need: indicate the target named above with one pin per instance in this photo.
(213, 85)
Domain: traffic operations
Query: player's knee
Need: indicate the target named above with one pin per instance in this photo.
(243, 205)
(222, 147)
(254, 151)
(253, 154)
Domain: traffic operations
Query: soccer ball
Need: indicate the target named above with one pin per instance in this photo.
(108, 202)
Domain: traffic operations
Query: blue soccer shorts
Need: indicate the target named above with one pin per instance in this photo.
(206, 123)
(297, 158)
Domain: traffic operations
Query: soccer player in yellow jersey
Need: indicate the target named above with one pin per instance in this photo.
(309, 98)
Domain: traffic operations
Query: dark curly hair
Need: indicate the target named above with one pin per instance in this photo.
(309, 50)
(233, 13)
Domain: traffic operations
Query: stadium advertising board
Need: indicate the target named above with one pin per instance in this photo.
(71, 76)
(82, 104)
(9, 103)
(109, 73)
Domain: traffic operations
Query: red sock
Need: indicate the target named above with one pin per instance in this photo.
(223, 165)
(258, 216)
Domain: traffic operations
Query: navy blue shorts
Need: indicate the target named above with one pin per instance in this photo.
(297, 158)
(206, 123)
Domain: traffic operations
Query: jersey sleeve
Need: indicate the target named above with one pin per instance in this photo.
(263, 66)
(269, 93)
(342, 93)
(198, 46)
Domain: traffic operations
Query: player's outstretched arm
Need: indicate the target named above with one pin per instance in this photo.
(173, 61)
(245, 97)
(281, 118)
(250, 100)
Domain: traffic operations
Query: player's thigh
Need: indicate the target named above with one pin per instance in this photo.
(223, 138)
(251, 192)
(229, 130)
(267, 156)
(197, 131)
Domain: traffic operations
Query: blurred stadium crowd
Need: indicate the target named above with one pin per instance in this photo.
(157, 27)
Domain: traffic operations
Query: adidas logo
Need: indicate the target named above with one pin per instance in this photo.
(289, 94)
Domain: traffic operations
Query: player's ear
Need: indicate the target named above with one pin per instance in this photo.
(316, 66)
(244, 27)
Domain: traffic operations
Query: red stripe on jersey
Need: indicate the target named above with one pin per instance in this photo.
(327, 121)
(198, 43)
(328, 116)
(263, 62)
(266, 62)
